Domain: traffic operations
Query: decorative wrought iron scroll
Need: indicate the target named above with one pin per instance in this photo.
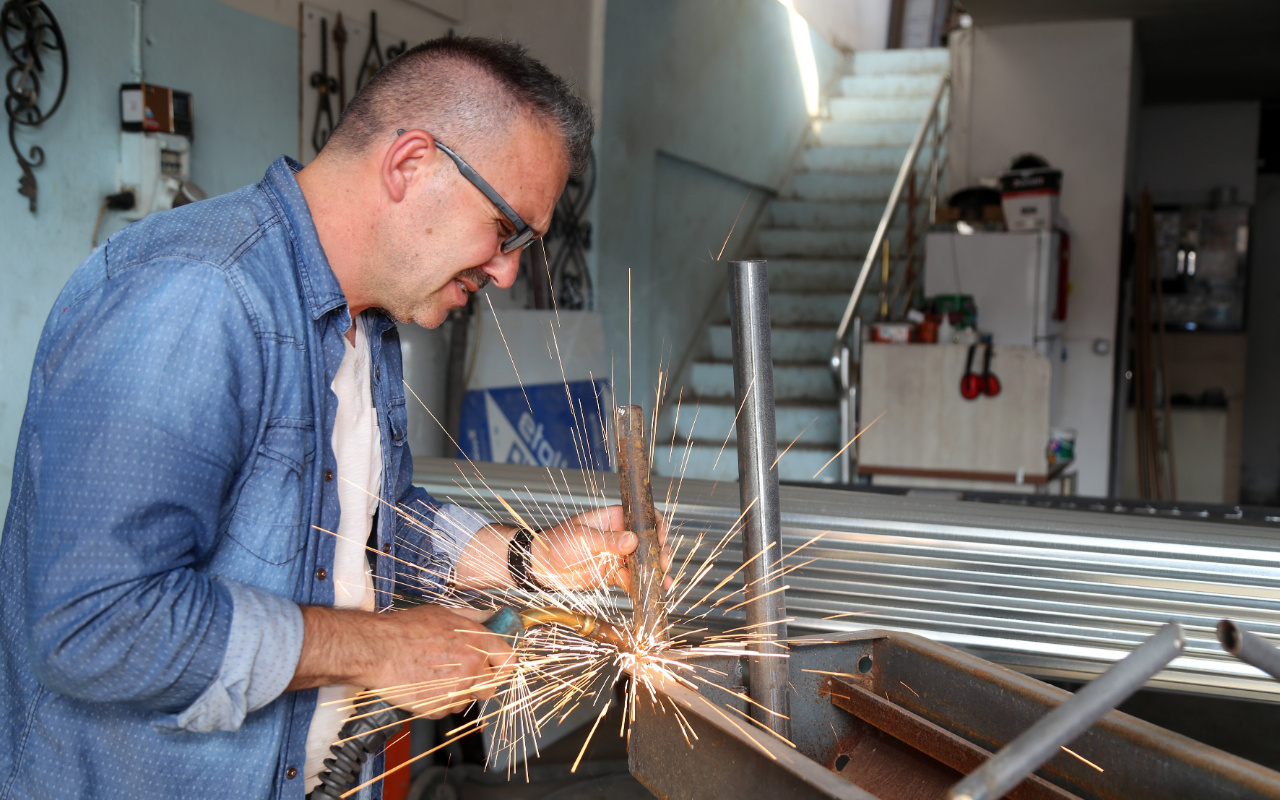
(34, 42)
(565, 245)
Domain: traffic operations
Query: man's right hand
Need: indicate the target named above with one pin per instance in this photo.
(429, 659)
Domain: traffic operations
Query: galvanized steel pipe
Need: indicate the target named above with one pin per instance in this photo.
(758, 489)
(1249, 647)
(1036, 745)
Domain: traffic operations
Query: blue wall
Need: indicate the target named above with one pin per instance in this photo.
(242, 71)
(703, 108)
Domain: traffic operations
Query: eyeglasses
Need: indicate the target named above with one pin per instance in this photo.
(524, 234)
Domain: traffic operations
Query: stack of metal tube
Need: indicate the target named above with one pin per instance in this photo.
(1050, 592)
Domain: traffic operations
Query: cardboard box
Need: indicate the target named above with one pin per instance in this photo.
(1030, 198)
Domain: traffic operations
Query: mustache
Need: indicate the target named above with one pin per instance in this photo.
(475, 275)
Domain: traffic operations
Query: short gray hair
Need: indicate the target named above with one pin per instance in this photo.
(462, 89)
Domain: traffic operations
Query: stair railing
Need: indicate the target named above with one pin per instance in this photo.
(846, 352)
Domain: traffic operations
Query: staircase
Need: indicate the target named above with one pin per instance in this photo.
(815, 236)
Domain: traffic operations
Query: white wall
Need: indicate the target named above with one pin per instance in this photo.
(242, 72)
(1063, 90)
(704, 111)
(1185, 151)
(849, 24)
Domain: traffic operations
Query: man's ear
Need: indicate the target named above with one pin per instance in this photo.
(410, 158)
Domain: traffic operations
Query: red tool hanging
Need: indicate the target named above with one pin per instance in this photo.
(973, 385)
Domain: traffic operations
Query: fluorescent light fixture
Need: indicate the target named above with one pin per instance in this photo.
(806, 64)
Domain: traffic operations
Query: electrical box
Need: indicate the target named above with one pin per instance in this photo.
(157, 168)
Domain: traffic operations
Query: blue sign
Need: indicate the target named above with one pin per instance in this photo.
(501, 425)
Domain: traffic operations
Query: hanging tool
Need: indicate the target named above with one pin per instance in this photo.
(340, 44)
(990, 383)
(372, 61)
(637, 510)
(369, 727)
(971, 382)
(325, 84)
(973, 385)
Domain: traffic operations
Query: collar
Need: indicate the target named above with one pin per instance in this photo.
(320, 288)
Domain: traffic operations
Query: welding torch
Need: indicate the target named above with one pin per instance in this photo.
(366, 732)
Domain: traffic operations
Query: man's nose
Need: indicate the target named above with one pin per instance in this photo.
(503, 268)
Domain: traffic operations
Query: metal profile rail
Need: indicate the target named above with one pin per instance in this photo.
(843, 370)
(1052, 593)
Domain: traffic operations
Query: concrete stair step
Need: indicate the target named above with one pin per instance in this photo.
(791, 380)
(930, 60)
(809, 308)
(712, 419)
(890, 85)
(791, 343)
(830, 133)
(813, 274)
(813, 242)
(853, 159)
(841, 186)
(878, 109)
(863, 214)
(714, 461)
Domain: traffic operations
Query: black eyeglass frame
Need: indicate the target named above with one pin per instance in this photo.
(524, 234)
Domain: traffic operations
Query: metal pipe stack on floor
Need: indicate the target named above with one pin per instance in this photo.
(1052, 593)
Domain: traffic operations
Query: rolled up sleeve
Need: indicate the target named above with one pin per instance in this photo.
(263, 646)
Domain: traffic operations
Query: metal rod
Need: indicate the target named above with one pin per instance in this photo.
(645, 563)
(1036, 745)
(908, 164)
(1249, 647)
(758, 489)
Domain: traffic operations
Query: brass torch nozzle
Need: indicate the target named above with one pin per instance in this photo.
(582, 624)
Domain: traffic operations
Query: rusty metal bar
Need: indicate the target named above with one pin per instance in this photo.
(1249, 647)
(933, 740)
(758, 489)
(1027, 753)
(645, 563)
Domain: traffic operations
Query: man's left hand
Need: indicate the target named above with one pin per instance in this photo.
(589, 551)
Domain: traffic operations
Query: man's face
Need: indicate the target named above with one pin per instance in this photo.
(443, 241)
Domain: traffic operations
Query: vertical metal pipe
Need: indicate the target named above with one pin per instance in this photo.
(758, 487)
(1037, 744)
(1249, 647)
(645, 564)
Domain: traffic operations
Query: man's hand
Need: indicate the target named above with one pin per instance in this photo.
(587, 551)
(590, 551)
(435, 659)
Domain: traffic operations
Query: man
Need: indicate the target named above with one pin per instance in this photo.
(215, 424)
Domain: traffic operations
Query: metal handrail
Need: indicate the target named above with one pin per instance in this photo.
(904, 172)
(843, 370)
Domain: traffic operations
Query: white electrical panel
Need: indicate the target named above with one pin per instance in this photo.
(157, 168)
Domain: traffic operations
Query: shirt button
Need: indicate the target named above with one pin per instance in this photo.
(291, 773)
(321, 574)
(386, 548)
(328, 475)
(377, 372)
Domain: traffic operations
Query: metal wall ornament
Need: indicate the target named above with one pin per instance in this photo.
(558, 262)
(34, 42)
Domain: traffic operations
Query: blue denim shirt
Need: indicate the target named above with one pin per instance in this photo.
(173, 469)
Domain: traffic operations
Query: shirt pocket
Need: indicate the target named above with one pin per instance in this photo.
(398, 420)
(273, 509)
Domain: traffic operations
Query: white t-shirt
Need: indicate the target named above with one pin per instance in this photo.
(357, 447)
